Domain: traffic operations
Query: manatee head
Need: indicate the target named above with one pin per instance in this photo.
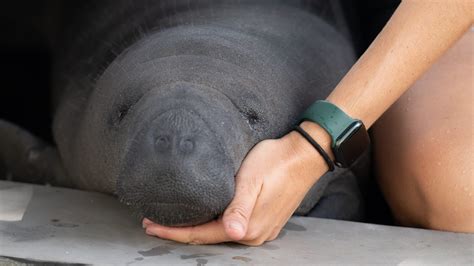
(186, 123)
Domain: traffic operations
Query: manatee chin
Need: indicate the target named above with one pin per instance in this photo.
(176, 171)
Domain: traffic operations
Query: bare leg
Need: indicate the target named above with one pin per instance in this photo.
(424, 146)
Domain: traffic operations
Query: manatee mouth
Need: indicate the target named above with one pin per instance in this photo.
(172, 213)
(183, 214)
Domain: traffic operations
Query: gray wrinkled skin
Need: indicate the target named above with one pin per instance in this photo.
(158, 102)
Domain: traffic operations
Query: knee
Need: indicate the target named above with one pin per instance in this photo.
(423, 148)
(442, 178)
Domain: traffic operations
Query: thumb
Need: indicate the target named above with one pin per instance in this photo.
(237, 215)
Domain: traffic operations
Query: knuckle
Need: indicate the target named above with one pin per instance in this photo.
(249, 183)
(238, 212)
(196, 242)
(255, 183)
(256, 242)
(253, 234)
(250, 186)
(273, 237)
(258, 236)
(193, 238)
(276, 232)
(150, 232)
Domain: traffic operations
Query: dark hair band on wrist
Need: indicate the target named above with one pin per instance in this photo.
(321, 151)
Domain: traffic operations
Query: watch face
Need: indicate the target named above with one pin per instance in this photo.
(351, 144)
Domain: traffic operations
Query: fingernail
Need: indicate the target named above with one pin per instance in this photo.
(147, 221)
(236, 226)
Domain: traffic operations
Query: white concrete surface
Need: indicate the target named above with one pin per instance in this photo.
(18, 198)
(63, 225)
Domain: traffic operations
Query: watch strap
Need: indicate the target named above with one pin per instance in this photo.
(329, 117)
(318, 147)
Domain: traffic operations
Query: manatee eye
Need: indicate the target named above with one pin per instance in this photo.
(251, 116)
(123, 109)
(120, 114)
(252, 108)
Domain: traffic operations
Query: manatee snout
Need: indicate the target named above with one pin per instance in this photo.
(177, 171)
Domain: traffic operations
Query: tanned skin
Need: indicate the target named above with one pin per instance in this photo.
(423, 146)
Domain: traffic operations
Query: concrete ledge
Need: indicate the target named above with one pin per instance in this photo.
(71, 226)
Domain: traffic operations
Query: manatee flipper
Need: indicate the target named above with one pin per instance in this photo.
(317, 191)
(29, 159)
(341, 200)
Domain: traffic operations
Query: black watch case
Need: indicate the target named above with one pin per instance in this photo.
(350, 145)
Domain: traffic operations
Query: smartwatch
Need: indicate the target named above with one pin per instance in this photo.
(349, 136)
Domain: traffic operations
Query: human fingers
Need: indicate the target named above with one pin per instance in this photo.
(209, 233)
(237, 215)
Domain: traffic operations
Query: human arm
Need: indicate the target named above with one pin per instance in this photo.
(418, 33)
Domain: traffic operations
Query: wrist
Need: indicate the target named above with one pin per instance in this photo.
(320, 135)
(303, 155)
(349, 137)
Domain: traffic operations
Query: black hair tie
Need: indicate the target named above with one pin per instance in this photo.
(321, 151)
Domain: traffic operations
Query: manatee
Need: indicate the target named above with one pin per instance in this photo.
(158, 102)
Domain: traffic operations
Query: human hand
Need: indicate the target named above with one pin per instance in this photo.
(270, 184)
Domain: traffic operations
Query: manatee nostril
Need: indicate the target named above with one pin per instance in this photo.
(186, 145)
(162, 143)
